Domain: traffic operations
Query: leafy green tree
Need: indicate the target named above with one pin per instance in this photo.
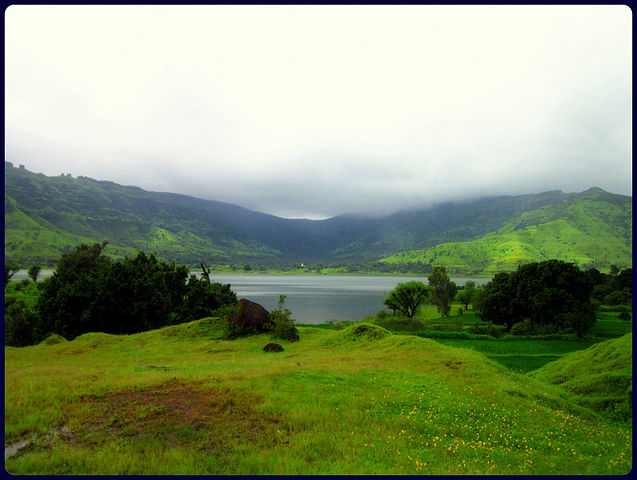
(443, 290)
(10, 269)
(20, 325)
(202, 298)
(466, 295)
(89, 293)
(34, 271)
(65, 301)
(407, 297)
(547, 293)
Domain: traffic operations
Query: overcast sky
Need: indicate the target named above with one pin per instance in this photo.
(314, 111)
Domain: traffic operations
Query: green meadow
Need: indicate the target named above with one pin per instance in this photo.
(349, 398)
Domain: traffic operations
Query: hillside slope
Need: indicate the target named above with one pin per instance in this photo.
(46, 216)
(592, 229)
(599, 377)
(356, 401)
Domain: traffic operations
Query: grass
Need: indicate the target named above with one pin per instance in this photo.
(599, 377)
(25, 290)
(519, 353)
(358, 400)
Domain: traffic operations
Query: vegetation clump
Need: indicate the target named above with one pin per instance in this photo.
(407, 297)
(550, 295)
(360, 332)
(283, 325)
(53, 339)
(91, 293)
(443, 290)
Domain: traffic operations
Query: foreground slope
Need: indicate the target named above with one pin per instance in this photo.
(357, 401)
(599, 377)
(592, 229)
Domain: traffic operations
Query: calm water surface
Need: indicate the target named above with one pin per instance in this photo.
(321, 298)
(313, 298)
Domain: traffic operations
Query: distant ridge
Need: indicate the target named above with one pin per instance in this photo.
(46, 216)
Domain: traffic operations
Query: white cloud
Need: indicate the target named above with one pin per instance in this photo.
(321, 110)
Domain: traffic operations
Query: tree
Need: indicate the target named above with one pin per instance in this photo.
(407, 297)
(10, 269)
(443, 290)
(89, 293)
(34, 271)
(20, 325)
(466, 295)
(546, 293)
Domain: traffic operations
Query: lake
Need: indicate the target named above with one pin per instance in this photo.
(313, 298)
(321, 298)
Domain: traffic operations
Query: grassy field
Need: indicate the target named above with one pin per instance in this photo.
(521, 354)
(358, 400)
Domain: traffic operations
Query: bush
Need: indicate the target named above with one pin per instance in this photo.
(230, 329)
(522, 328)
(283, 322)
(20, 325)
(618, 297)
(624, 316)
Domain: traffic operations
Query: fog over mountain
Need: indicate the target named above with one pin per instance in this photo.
(315, 111)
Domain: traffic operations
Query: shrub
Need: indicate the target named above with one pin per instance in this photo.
(618, 297)
(624, 316)
(229, 328)
(283, 322)
(20, 325)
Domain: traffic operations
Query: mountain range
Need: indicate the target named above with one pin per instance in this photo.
(47, 216)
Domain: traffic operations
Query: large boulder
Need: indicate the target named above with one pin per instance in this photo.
(251, 316)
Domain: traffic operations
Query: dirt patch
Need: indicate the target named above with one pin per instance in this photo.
(360, 329)
(153, 367)
(454, 364)
(222, 350)
(174, 414)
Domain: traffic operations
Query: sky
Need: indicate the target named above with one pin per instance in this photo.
(316, 111)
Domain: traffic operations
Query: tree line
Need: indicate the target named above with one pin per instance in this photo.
(542, 297)
(88, 292)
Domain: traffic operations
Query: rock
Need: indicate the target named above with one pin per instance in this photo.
(250, 316)
(273, 347)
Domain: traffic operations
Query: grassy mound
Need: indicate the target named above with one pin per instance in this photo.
(358, 333)
(599, 377)
(209, 327)
(53, 339)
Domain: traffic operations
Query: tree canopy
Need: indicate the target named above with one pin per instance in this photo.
(407, 297)
(90, 293)
(553, 292)
(443, 290)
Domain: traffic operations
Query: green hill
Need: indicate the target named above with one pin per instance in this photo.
(600, 377)
(592, 229)
(47, 216)
(361, 400)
